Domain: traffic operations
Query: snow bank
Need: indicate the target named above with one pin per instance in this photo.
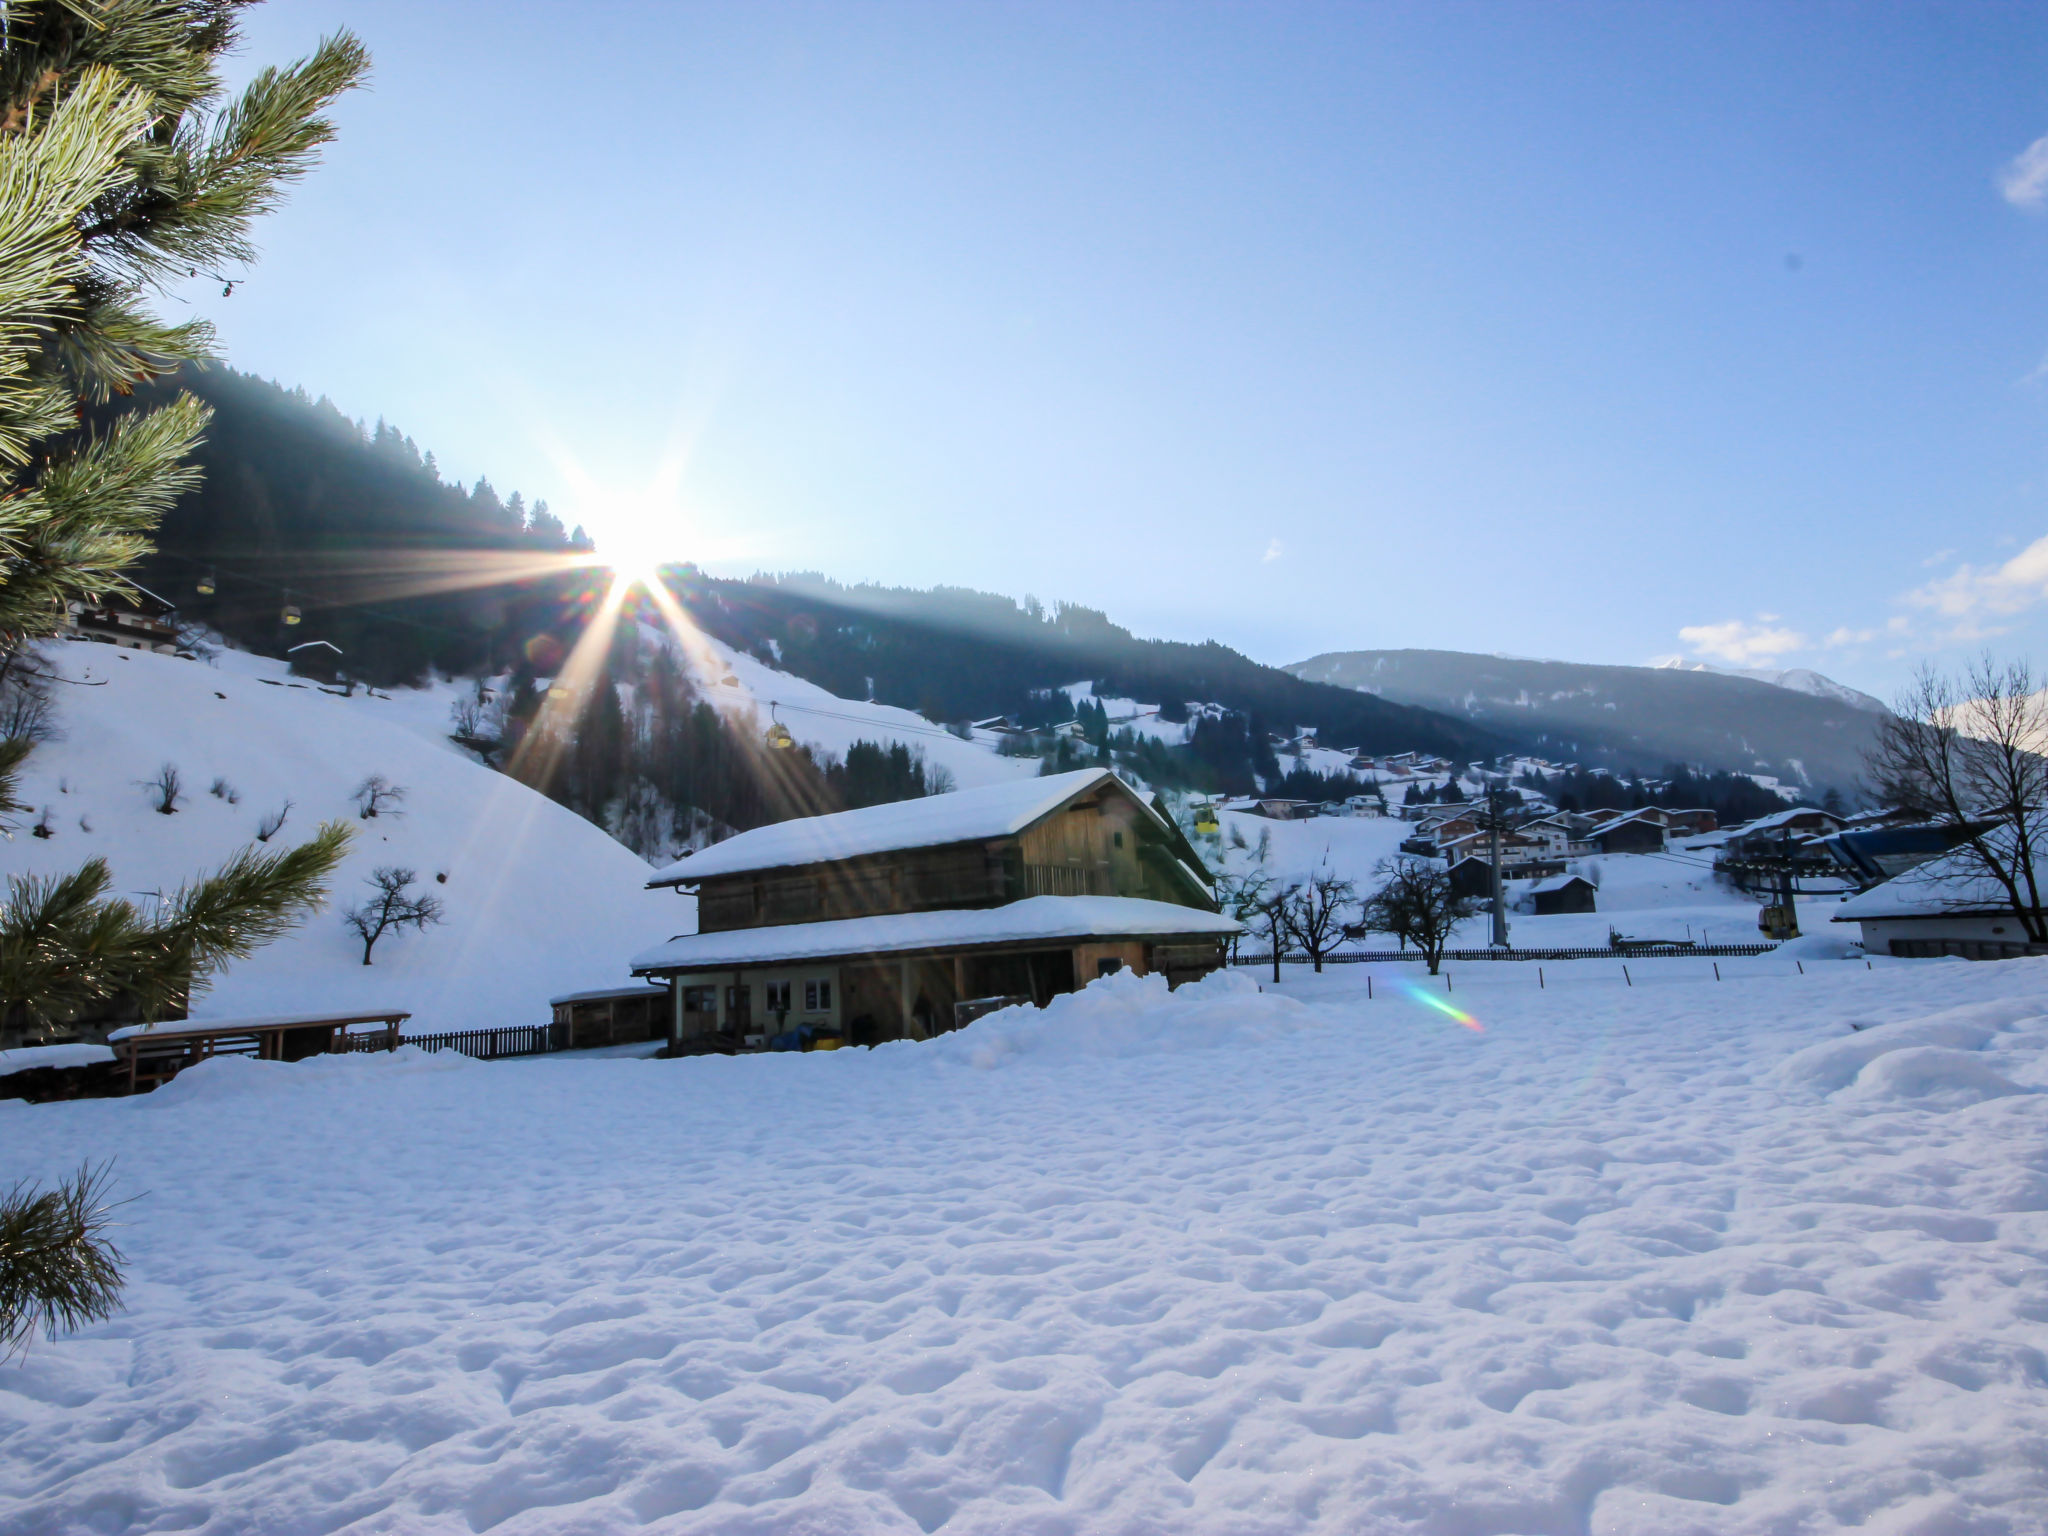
(1835, 1064)
(1122, 1016)
(36, 1058)
(229, 1077)
(1755, 1256)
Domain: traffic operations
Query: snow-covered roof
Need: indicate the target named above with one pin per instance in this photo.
(601, 994)
(1556, 883)
(1782, 818)
(964, 816)
(1036, 919)
(174, 1027)
(1952, 885)
(29, 1058)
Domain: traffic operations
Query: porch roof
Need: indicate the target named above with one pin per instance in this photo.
(1034, 920)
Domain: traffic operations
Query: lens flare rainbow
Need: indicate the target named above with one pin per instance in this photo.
(1443, 1005)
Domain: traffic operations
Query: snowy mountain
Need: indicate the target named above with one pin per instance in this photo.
(1798, 679)
(1803, 732)
(538, 901)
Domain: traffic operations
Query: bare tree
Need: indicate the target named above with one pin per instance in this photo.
(391, 905)
(166, 789)
(221, 789)
(1242, 896)
(377, 796)
(1271, 916)
(1314, 911)
(1415, 903)
(477, 723)
(25, 708)
(272, 822)
(1966, 752)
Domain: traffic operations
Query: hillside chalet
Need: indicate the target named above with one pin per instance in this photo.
(128, 616)
(902, 921)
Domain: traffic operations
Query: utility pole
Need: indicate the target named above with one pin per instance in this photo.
(1496, 810)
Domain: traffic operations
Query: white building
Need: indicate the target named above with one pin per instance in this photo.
(1947, 906)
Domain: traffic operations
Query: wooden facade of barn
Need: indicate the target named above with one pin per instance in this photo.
(902, 921)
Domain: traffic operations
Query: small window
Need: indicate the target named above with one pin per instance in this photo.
(1119, 839)
(700, 999)
(817, 997)
(778, 997)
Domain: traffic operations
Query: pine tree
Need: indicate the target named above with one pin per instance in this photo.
(120, 171)
(67, 950)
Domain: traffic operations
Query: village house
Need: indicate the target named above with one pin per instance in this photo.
(903, 921)
(131, 617)
(1285, 810)
(1637, 832)
(1770, 835)
(1552, 835)
(1947, 906)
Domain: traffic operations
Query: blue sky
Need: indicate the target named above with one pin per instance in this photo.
(1600, 332)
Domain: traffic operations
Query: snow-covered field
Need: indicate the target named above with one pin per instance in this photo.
(1768, 1255)
(538, 901)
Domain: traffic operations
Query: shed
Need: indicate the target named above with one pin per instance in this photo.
(610, 1015)
(1563, 893)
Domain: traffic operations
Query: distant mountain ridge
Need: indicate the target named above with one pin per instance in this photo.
(1806, 730)
(1798, 679)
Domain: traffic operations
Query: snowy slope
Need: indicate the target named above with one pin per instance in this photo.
(538, 900)
(1757, 1256)
(825, 721)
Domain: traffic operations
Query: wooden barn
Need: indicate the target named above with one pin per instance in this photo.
(902, 921)
(1563, 893)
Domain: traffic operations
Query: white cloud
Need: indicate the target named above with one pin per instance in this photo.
(1272, 551)
(1972, 590)
(1847, 636)
(2024, 181)
(1742, 644)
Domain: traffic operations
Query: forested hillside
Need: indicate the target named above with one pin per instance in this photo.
(301, 507)
(350, 532)
(955, 653)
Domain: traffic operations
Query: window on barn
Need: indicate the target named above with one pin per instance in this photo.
(778, 997)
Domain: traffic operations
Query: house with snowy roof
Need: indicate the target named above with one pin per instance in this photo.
(899, 921)
(1949, 905)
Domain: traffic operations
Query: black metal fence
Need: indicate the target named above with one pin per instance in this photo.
(1464, 956)
(492, 1044)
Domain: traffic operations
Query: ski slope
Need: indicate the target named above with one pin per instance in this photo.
(538, 901)
(1755, 1256)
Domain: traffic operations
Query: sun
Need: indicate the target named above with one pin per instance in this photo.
(634, 562)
